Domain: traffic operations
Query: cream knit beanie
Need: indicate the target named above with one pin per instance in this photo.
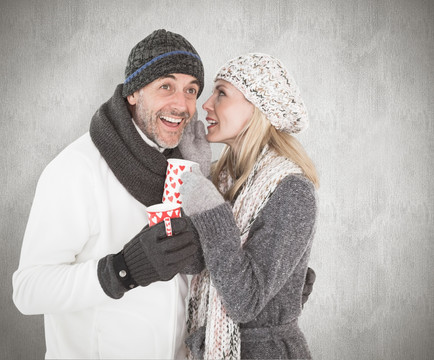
(266, 83)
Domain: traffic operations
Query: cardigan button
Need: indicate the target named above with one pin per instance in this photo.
(122, 273)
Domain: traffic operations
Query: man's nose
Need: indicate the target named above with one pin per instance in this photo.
(179, 101)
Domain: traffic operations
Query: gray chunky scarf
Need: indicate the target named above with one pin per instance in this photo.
(140, 168)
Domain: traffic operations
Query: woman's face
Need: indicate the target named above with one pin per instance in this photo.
(228, 113)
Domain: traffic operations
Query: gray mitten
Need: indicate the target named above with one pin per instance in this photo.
(198, 193)
(194, 146)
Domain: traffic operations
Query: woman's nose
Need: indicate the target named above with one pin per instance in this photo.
(208, 104)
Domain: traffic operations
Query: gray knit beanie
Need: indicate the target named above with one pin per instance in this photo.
(159, 54)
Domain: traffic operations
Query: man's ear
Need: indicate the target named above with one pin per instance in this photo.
(132, 99)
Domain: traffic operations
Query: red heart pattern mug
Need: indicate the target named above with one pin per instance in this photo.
(175, 167)
(163, 212)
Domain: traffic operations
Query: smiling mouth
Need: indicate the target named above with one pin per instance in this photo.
(170, 121)
(211, 122)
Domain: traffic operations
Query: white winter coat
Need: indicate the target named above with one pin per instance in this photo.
(80, 214)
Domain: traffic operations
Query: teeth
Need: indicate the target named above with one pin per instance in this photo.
(212, 122)
(172, 120)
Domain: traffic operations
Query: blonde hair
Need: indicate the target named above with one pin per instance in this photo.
(240, 159)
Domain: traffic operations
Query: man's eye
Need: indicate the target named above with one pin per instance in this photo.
(192, 91)
(165, 86)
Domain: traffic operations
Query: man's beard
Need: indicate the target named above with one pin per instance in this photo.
(147, 122)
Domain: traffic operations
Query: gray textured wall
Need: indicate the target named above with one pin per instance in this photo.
(365, 69)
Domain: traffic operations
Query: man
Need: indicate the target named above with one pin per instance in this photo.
(109, 286)
(84, 249)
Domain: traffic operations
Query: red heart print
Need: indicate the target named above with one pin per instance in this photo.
(175, 171)
(173, 185)
(171, 179)
(177, 195)
(180, 181)
(171, 166)
(179, 202)
(167, 192)
(182, 167)
(170, 198)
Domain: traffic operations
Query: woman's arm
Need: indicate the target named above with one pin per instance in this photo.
(247, 278)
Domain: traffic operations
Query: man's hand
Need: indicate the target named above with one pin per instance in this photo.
(161, 256)
(308, 285)
(150, 256)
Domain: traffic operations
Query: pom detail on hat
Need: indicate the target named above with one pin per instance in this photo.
(266, 83)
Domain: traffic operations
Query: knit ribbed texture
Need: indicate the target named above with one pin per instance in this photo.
(219, 220)
(159, 54)
(138, 264)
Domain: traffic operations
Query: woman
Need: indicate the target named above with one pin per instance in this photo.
(256, 231)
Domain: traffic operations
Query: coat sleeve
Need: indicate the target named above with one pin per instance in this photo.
(248, 278)
(52, 277)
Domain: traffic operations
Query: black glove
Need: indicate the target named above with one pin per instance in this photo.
(150, 256)
(198, 262)
(308, 285)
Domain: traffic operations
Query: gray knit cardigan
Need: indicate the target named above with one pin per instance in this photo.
(261, 284)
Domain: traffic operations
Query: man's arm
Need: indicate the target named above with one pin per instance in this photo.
(50, 277)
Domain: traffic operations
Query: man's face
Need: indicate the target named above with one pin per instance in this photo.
(164, 106)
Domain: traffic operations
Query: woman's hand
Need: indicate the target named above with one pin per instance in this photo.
(194, 146)
(198, 193)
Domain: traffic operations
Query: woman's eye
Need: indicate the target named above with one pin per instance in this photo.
(221, 93)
